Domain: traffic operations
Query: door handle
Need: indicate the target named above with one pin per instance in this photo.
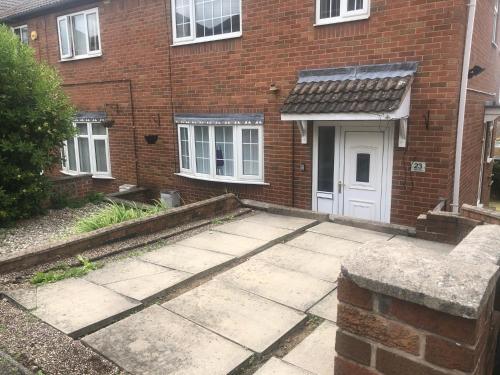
(340, 187)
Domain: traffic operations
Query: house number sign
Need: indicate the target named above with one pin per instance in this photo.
(418, 166)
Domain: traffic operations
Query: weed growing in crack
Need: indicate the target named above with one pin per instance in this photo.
(64, 272)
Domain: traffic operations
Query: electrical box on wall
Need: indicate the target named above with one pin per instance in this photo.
(418, 166)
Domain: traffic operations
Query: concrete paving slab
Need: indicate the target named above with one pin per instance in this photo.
(24, 297)
(187, 259)
(123, 270)
(250, 229)
(430, 247)
(276, 366)
(291, 288)
(317, 352)
(349, 233)
(279, 221)
(320, 243)
(250, 320)
(327, 307)
(77, 306)
(315, 264)
(157, 341)
(147, 288)
(224, 243)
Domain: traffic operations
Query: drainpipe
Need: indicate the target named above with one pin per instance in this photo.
(461, 108)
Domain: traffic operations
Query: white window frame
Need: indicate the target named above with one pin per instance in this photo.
(93, 164)
(238, 177)
(494, 37)
(70, 43)
(20, 28)
(345, 15)
(193, 39)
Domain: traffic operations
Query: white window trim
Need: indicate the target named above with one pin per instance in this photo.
(239, 177)
(193, 39)
(345, 16)
(71, 47)
(93, 167)
(19, 28)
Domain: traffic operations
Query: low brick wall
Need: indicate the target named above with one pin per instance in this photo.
(480, 214)
(405, 312)
(444, 227)
(137, 194)
(75, 245)
(73, 187)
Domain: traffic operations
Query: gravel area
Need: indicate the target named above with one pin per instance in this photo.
(40, 347)
(55, 225)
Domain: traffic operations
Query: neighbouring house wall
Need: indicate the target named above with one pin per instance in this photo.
(486, 55)
(279, 39)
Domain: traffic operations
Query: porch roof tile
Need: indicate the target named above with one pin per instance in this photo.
(368, 88)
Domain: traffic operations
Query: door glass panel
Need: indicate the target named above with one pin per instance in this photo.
(326, 158)
(363, 168)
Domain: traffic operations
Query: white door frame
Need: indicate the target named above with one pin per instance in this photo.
(387, 127)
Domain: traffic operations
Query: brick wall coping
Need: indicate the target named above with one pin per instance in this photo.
(445, 283)
(61, 179)
(481, 246)
(481, 211)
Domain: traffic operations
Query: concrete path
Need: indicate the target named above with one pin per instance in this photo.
(280, 269)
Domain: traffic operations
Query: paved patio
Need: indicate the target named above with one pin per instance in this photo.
(281, 270)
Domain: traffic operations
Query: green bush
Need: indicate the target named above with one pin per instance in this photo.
(35, 118)
(114, 213)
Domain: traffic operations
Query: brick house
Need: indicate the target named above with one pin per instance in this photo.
(351, 107)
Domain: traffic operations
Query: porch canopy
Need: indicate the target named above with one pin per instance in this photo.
(365, 92)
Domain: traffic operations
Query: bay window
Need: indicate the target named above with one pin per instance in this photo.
(228, 153)
(335, 11)
(79, 35)
(205, 20)
(88, 151)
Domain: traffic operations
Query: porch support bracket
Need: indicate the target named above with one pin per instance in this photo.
(302, 125)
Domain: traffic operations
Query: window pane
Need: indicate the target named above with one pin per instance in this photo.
(224, 159)
(354, 5)
(183, 18)
(100, 155)
(71, 154)
(329, 8)
(363, 168)
(79, 34)
(185, 148)
(93, 32)
(216, 17)
(250, 147)
(326, 158)
(82, 128)
(64, 37)
(24, 35)
(84, 154)
(202, 149)
(98, 129)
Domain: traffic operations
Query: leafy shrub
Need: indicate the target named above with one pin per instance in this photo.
(114, 213)
(64, 272)
(35, 117)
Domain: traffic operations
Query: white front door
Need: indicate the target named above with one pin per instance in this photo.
(362, 174)
(352, 169)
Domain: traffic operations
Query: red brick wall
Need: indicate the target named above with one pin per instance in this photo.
(234, 75)
(383, 335)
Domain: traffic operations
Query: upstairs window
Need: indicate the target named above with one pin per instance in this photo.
(495, 24)
(205, 20)
(229, 153)
(22, 33)
(79, 35)
(88, 151)
(335, 11)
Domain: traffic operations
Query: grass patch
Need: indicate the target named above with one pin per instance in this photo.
(64, 272)
(114, 213)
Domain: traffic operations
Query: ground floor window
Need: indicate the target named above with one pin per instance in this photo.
(232, 153)
(88, 151)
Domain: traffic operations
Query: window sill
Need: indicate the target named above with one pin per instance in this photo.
(96, 177)
(85, 57)
(237, 182)
(333, 21)
(207, 40)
